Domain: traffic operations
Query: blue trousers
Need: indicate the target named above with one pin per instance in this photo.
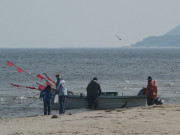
(47, 108)
(62, 100)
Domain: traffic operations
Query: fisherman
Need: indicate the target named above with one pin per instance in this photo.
(47, 94)
(151, 91)
(62, 92)
(93, 91)
(58, 77)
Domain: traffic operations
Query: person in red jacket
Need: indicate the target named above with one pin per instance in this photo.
(151, 91)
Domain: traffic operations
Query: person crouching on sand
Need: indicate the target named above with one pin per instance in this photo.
(151, 91)
(47, 94)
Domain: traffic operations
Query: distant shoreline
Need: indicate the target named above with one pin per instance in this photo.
(126, 47)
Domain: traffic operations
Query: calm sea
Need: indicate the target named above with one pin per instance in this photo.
(123, 70)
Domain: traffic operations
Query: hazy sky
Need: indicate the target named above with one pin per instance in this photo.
(84, 23)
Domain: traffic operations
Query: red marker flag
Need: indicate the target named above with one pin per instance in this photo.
(49, 79)
(41, 87)
(39, 76)
(15, 85)
(10, 64)
(19, 70)
(30, 87)
(47, 83)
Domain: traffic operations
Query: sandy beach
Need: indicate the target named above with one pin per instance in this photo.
(151, 120)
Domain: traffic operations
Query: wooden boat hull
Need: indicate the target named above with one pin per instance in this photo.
(104, 102)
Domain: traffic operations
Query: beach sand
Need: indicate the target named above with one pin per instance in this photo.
(151, 120)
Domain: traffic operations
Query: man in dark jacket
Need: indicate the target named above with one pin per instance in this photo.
(93, 91)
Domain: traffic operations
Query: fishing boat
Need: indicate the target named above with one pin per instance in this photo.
(104, 101)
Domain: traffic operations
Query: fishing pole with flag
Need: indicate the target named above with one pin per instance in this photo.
(40, 86)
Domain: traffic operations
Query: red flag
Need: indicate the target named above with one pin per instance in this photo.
(41, 87)
(19, 70)
(39, 76)
(10, 64)
(30, 87)
(49, 79)
(15, 85)
(47, 83)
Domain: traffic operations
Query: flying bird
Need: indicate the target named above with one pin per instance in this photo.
(118, 37)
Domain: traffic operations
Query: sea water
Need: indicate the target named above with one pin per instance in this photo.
(122, 70)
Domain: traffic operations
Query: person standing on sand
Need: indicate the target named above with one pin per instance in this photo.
(62, 92)
(47, 94)
(151, 91)
(93, 91)
(58, 77)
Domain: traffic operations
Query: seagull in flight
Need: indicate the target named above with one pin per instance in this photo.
(118, 37)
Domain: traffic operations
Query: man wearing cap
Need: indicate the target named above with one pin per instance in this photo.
(58, 77)
(93, 91)
(151, 91)
(61, 90)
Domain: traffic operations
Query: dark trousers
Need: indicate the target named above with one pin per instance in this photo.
(92, 102)
(150, 101)
(47, 108)
(62, 100)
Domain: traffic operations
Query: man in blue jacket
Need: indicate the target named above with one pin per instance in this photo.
(47, 94)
